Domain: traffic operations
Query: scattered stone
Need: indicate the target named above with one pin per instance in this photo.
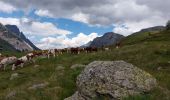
(114, 79)
(35, 66)
(11, 94)
(159, 68)
(77, 66)
(169, 62)
(38, 86)
(14, 76)
(60, 68)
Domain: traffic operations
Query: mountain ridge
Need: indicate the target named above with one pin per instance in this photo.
(107, 39)
(13, 37)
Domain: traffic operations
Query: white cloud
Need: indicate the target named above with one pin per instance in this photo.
(43, 29)
(80, 17)
(7, 8)
(12, 21)
(103, 13)
(43, 13)
(34, 27)
(130, 27)
(63, 41)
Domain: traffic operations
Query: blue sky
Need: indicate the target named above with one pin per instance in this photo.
(72, 23)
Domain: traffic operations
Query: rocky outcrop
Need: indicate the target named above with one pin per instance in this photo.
(113, 79)
(15, 30)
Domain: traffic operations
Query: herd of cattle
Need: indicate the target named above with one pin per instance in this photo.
(29, 58)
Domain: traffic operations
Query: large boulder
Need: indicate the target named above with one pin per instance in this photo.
(114, 79)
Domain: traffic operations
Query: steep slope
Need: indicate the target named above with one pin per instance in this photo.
(5, 46)
(86, 45)
(107, 39)
(14, 29)
(142, 35)
(14, 38)
(153, 29)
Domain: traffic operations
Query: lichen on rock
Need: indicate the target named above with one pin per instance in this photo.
(116, 79)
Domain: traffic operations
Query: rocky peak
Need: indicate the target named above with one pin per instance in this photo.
(107, 39)
(12, 35)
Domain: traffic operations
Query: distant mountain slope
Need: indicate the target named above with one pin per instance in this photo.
(107, 39)
(14, 39)
(16, 31)
(142, 35)
(153, 29)
(86, 45)
(5, 46)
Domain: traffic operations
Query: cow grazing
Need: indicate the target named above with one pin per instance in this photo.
(118, 44)
(7, 61)
(1, 58)
(51, 52)
(75, 50)
(90, 49)
(17, 63)
(22, 60)
(81, 50)
(44, 53)
(35, 54)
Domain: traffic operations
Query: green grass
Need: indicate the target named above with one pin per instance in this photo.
(147, 53)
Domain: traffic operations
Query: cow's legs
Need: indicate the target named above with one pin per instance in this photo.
(48, 56)
(1, 66)
(54, 55)
(22, 65)
(13, 67)
(4, 66)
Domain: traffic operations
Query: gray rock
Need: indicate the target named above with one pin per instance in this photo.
(116, 79)
(77, 66)
(75, 96)
(58, 68)
(11, 94)
(14, 76)
(38, 86)
(35, 66)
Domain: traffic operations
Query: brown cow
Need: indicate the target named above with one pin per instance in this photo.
(75, 50)
(118, 44)
(90, 49)
(17, 63)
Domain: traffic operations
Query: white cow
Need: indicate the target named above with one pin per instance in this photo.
(51, 51)
(18, 63)
(22, 60)
(26, 59)
(7, 61)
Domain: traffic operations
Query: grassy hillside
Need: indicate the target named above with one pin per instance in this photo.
(150, 53)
